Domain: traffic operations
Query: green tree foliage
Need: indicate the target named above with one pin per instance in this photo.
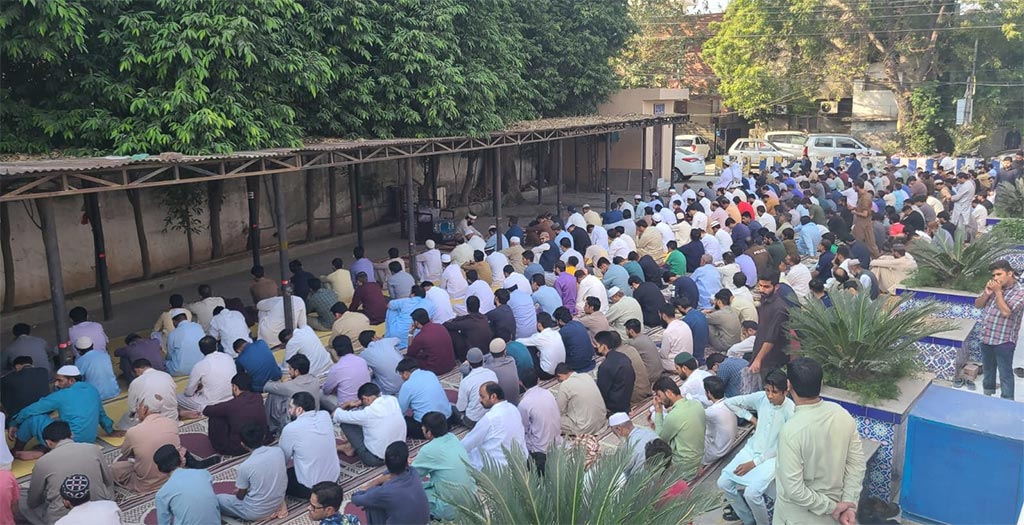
(194, 76)
(657, 54)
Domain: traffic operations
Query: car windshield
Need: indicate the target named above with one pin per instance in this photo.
(684, 143)
(789, 138)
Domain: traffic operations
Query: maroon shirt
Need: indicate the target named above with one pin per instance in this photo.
(469, 331)
(371, 297)
(432, 349)
(228, 418)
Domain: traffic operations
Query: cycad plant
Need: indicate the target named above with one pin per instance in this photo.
(570, 494)
(865, 346)
(1010, 200)
(958, 265)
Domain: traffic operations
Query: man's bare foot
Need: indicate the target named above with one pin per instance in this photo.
(28, 455)
(346, 449)
(282, 511)
(189, 414)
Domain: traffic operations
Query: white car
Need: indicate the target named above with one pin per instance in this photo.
(686, 164)
(791, 142)
(756, 150)
(694, 144)
(827, 146)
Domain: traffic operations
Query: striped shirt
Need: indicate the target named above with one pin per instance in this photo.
(997, 328)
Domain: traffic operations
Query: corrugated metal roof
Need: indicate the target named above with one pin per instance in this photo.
(89, 164)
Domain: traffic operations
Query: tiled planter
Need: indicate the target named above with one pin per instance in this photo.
(884, 422)
(938, 353)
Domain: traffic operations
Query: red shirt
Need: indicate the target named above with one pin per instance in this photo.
(432, 349)
(745, 207)
(371, 297)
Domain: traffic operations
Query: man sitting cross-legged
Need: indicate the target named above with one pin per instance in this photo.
(370, 424)
(260, 481)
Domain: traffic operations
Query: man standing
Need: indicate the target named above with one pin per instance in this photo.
(398, 497)
(309, 442)
(227, 419)
(260, 481)
(862, 229)
(500, 431)
(754, 466)
(443, 463)
(772, 336)
(541, 420)
(279, 393)
(1002, 304)
(820, 466)
(615, 376)
(681, 423)
(43, 504)
(370, 424)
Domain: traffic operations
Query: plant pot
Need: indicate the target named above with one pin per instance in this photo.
(938, 353)
(882, 423)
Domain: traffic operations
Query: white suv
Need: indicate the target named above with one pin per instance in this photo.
(756, 150)
(791, 142)
(693, 144)
(824, 146)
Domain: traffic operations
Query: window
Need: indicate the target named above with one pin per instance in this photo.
(684, 143)
(847, 143)
(823, 143)
(796, 139)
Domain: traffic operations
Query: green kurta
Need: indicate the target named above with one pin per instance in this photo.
(443, 460)
(820, 463)
(683, 427)
(676, 262)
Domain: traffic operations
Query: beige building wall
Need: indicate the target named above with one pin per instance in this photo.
(646, 101)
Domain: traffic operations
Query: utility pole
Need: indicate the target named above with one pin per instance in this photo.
(971, 85)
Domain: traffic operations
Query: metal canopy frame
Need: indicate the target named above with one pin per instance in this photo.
(22, 181)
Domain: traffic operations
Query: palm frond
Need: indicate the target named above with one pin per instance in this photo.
(1010, 199)
(957, 265)
(864, 345)
(569, 493)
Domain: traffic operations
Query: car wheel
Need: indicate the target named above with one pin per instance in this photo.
(677, 176)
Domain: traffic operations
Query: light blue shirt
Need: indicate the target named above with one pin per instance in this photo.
(423, 393)
(264, 474)
(98, 371)
(564, 235)
(808, 238)
(492, 243)
(709, 281)
(399, 317)
(547, 299)
(363, 265)
(770, 418)
(526, 315)
(382, 356)
(616, 275)
(183, 348)
(187, 499)
(637, 443)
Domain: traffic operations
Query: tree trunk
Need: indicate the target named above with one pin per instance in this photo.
(191, 254)
(904, 111)
(310, 205)
(8, 257)
(215, 200)
(511, 176)
(468, 182)
(140, 233)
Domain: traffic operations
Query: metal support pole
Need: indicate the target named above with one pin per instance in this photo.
(253, 196)
(558, 185)
(282, 251)
(92, 202)
(500, 245)
(53, 268)
(357, 203)
(607, 170)
(643, 163)
(410, 217)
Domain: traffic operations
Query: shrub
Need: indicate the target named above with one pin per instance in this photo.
(957, 265)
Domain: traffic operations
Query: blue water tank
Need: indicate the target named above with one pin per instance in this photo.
(964, 459)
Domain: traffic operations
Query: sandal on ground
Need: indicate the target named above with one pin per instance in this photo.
(729, 515)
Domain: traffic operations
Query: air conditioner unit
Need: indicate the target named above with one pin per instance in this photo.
(780, 109)
(829, 107)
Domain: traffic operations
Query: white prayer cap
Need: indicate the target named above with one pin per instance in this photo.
(671, 190)
(655, 194)
(445, 258)
(618, 418)
(468, 232)
(853, 262)
(787, 172)
(613, 290)
(656, 218)
(471, 216)
(69, 371)
(515, 240)
(429, 244)
(714, 223)
(586, 206)
(175, 312)
(637, 196)
(83, 343)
